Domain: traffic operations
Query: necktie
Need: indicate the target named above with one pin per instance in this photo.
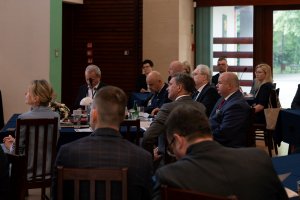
(221, 104)
(196, 95)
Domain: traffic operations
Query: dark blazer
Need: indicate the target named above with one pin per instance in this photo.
(105, 148)
(214, 79)
(296, 100)
(83, 92)
(141, 82)
(209, 167)
(208, 97)
(158, 128)
(262, 98)
(158, 99)
(230, 124)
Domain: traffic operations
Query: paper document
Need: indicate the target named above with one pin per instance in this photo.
(83, 130)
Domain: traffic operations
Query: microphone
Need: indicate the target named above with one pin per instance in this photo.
(245, 69)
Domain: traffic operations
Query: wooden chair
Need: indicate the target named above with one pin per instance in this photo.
(261, 132)
(36, 139)
(132, 130)
(168, 193)
(91, 175)
(17, 176)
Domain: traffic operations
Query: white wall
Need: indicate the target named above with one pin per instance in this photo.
(24, 49)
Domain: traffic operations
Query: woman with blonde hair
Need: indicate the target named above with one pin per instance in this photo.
(264, 84)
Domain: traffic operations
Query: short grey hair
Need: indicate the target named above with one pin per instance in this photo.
(205, 70)
(94, 68)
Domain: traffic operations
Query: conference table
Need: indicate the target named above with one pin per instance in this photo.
(67, 133)
(288, 166)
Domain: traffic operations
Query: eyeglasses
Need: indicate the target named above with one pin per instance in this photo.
(170, 149)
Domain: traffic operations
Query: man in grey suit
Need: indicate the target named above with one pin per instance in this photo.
(205, 166)
(180, 89)
(105, 148)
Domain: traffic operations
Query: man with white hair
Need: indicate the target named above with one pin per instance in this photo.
(93, 83)
(205, 94)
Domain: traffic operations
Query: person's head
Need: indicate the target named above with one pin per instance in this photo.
(186, 67)
(180, 84)
(147, 66)
(175, 67)
(108, 108)
(92, 75)
(39, 93)
(154, 81)
(228, 83)
(182, 133)
(263, 73)
(222, 64)
(202, 75)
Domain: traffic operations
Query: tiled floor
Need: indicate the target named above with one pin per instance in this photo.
(34, 194)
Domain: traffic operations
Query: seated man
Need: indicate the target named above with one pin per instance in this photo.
(222, 67)
(175, 67)
(180, 88)
(93, 80)
(230, 118)
(206, 93)
(105, 148)
(205, 166)
(159, 90)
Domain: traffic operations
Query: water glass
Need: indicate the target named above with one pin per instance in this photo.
(76, 118)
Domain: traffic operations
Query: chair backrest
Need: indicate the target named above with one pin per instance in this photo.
(168, 193)
(274, 98)
(131, 130)
(36, 139)
(1, 112)
(91, 175)
(17, 176)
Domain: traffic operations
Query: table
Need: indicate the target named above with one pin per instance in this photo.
(288, 127)
(288, 164)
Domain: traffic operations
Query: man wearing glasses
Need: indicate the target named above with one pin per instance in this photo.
(222, 67)
(204, 165)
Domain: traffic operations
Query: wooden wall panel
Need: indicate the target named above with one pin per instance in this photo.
(112, 27)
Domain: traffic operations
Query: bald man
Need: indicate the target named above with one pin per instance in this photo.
(231, 115)
(175, 67)
(159, 89)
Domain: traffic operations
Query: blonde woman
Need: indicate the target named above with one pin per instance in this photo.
(38, 96)
(264, 83)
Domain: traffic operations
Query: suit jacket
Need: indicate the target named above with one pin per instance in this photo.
(158, 99)
(230, 124)
(296, 101)
(158, 128)
(105, 148)
(262, 97)
(83, 92)
(209, 167)
(215, 78)
(208, 97)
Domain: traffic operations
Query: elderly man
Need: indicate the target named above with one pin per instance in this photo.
(230, 118)
(159, 89)
(180, 88)
(222, 67)
(93, 83)
(105, 147)
(175, 67)
(205, 166)
(205, 93)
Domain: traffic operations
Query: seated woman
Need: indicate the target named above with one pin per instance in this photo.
(264, 84)
(38, 97)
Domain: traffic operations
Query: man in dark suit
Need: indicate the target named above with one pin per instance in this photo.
(205, 166)
(160, 94)
(105, 148)
(180, 88)
(93, 83)
(230, 118)
(205, 94)
(222, 67)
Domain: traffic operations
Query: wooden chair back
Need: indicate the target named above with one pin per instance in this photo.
(36, 140)
(168, 193)
(92, 175)
(1, 112)
(132, 130)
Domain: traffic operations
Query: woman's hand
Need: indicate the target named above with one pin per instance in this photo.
(8, 141)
